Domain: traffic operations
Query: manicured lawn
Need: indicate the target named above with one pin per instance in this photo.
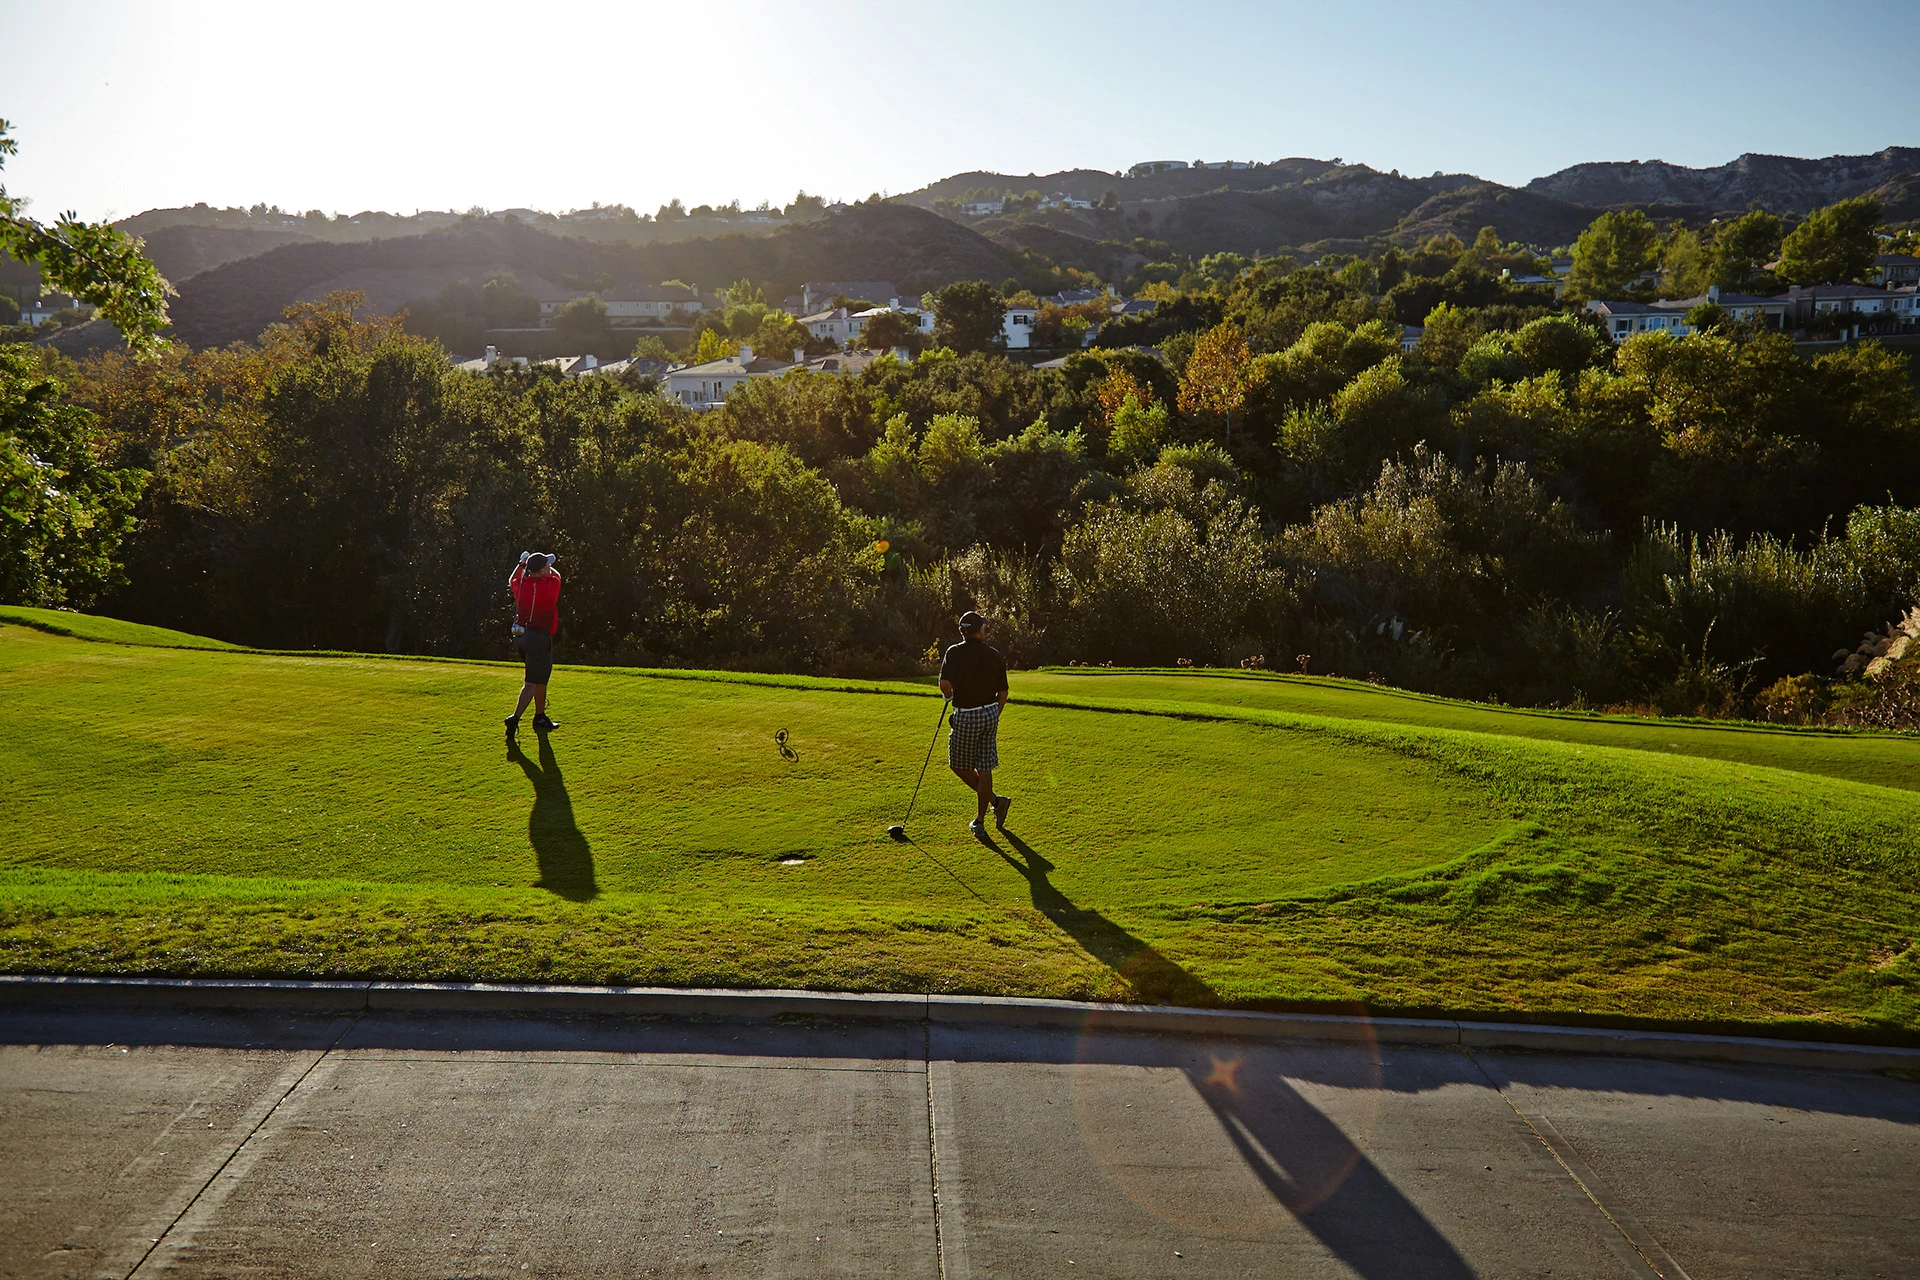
(1888, 759)
(1175, 837)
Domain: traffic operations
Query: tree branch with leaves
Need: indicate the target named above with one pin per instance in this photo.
(95, 262)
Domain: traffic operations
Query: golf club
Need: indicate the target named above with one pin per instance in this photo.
(899, 829)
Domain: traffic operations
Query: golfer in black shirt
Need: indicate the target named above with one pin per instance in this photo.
(973, 675)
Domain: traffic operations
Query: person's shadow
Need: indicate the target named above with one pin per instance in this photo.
(1304, 1159)
(1152, 976)
(559, 846)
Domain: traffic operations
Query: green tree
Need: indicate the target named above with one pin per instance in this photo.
(968, 316)
(1686, 264)
(583, 323)
(1446, 336)
(713, 347)
(63, 511)
(1617, 248)
(1137, 434)
(1743, 248)
(891, 329)
(1835, 245)
(92, 261)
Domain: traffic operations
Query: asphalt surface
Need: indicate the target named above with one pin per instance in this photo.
(149, 1143)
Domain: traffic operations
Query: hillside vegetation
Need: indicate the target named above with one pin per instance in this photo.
(201, 812)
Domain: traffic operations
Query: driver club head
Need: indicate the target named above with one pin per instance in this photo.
(898, 832)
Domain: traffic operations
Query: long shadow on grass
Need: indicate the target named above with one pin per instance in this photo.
(559, 846)
(1304, 1159)
(1151, 975)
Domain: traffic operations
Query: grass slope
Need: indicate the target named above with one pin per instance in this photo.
(1885, 759)
(196, 811)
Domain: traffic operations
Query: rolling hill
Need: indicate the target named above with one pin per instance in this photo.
(1198, 838)
(915, 249)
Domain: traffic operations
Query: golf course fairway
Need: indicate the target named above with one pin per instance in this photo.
(186, 808)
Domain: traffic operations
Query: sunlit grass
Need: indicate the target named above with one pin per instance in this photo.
(1260, 842)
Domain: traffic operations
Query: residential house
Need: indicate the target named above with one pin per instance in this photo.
(1669, 315)
(637, 365)
(983, 208)
(650, 304)
(922, 319)
(1074, 297)
(705, 386)
(1058, 201)
(1623, 320)
(1891, 269)
(839, 325)
(49, 305)
(1410, 336)
(1873, 310)
(843, 363)
(572, 366)
(1224, 164)
(1135, 307)
(487, 361)
(551, 298)
(1016, 327)
(815, 294)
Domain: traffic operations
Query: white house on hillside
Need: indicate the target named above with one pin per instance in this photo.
(705, 386)
(1016, 327)
(642, 303)
(839, 325)
(815, 295)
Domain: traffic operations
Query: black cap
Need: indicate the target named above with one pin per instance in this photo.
(969, 620)
(539, 560)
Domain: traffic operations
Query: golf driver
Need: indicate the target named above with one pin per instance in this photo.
(899, 829)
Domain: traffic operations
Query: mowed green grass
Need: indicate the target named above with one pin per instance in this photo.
(1886, 759)
(196, 811)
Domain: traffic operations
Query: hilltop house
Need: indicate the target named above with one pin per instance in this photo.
(983, 208)
(839, 326)
(1891, 269)
(1872, 311)
(650, 304)
(816, 294)
(1016, 327)
(1625, 319)
(705, 386)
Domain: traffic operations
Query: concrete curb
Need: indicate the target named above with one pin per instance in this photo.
(954, 1011)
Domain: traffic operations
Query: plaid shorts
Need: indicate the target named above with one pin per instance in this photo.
(972, 744)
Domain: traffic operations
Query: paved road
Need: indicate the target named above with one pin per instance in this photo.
(149, 1144)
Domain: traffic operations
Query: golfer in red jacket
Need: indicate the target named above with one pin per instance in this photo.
(536, 620)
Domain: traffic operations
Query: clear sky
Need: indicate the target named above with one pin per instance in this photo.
(403, 105)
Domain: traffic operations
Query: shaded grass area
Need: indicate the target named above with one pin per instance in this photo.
(236, 813)
(86, 626)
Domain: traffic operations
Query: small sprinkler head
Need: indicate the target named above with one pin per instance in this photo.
(898, 832)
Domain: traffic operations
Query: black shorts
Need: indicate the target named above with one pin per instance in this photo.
(536, 647)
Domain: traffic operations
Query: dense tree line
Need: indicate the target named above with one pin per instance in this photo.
(1514, 508)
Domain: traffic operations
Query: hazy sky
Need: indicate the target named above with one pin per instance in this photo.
(402, 105)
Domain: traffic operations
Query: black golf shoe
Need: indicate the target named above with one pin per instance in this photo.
(543, 725)
(1000, 806)
(513, 726)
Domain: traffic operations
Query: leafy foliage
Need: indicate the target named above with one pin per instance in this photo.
(96, 263)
